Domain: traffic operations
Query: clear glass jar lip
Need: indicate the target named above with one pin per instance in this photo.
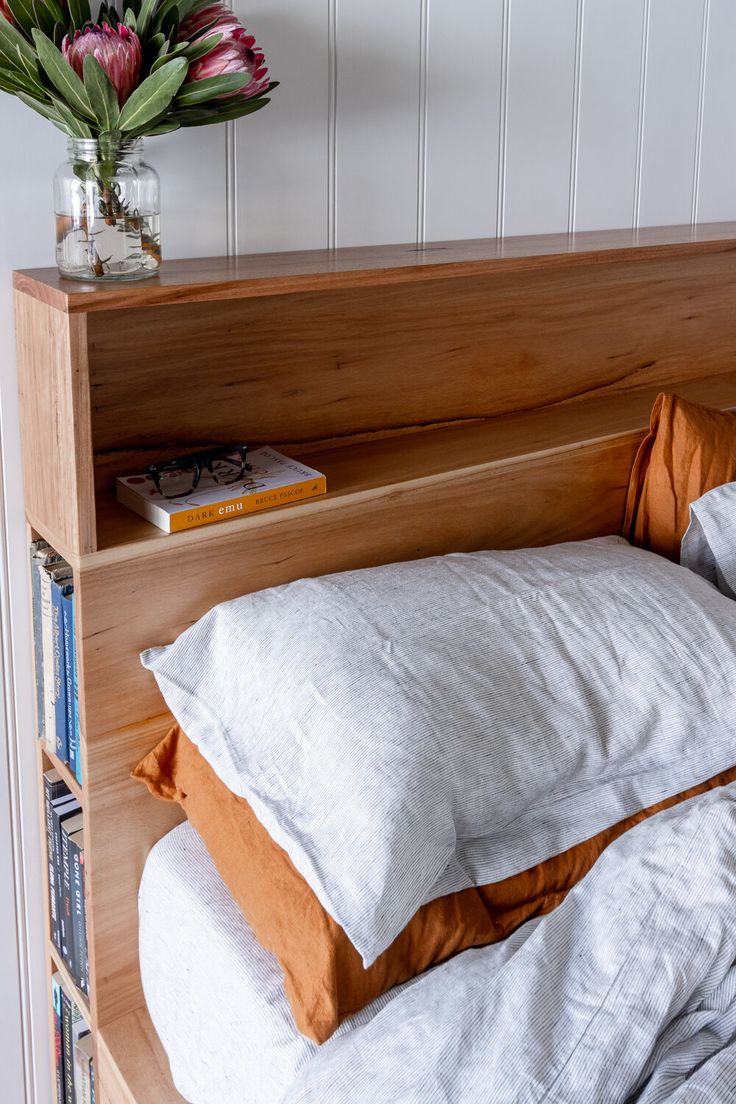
(91, 147)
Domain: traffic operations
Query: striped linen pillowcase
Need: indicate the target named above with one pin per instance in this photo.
(709, 545)
(408, 731)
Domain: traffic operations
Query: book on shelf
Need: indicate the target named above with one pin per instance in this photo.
(274, 480)
(58, 1038)
(54, 648)
(78, 909)
(84, 1070)
(55, 793)
(74, 1029)
(69, 825)
(66, 877)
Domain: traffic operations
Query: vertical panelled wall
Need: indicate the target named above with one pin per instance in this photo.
(404, 120)
(397, 120)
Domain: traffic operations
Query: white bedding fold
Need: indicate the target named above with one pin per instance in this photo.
(626, 993)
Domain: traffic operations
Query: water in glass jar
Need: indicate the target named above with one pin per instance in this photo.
(108, 247)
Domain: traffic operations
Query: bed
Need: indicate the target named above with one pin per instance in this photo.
(469, 396)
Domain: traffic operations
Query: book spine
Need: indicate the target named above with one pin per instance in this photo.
(82, 1084)
(247, 504)
(60, 809)
(58, 1040)
(67, 933)
(47, 650)
(75, 699)
(68, 639)
(49, 795)
(59, 680)
(79, 918)
(36, 550)
(67, 1013)
(79, 1030)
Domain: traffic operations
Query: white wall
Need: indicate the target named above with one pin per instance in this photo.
(397, 120)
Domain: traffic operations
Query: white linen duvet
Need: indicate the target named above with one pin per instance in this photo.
(627, 993)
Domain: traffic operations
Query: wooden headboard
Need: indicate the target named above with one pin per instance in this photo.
(458, 396)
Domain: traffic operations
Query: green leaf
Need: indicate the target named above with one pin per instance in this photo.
(62, 76)
(13, 44)
(102, 95)
(152, 97)
(130, 20)
(76, 127)
(205, 118)
(80, 13)
(201, 46)
(31, 75)
(144, 17)
(164, 128)
(45, 109)
(196, 92)
(23, 14)
(169, 55)
(44, 17)
(162, 10)
(54, 9)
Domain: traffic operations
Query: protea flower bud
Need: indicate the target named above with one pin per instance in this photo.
(6, 12)
(236, 52)
(218, 14)
(118, 52)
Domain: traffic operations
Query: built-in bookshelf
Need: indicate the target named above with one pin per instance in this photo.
(456, 396)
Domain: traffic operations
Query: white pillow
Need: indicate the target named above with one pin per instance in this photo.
(709, 545)
(411, 730)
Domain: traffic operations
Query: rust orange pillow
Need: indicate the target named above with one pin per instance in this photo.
(324, 977)
(689, 450)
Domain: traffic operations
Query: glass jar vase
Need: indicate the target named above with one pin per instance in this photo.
(106, 200)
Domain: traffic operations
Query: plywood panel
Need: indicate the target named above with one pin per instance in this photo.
(541, 83)
(55, 416)
(304, 368)
(463, 117)
(377, 130)
(281, 151)
(671, 111)
(609, 111)
(717, 179)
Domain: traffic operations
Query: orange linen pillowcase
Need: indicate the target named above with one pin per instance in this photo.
(689, 450)
(324, 977)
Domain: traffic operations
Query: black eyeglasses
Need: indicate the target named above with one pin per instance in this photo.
(181, 475)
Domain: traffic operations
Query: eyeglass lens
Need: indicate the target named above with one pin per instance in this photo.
(226, 469)
(174, 482)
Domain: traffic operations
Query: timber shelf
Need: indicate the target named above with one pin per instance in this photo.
(360, 472)
(416, 384)
(274, 274)
(457, 396)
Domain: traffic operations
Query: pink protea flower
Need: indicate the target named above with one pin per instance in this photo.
(6, 12)
(117, 50)
(236, 52)
(194, 24)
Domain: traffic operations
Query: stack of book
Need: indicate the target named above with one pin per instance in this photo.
(67, 903)
(55, 655)
(73, 1049)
